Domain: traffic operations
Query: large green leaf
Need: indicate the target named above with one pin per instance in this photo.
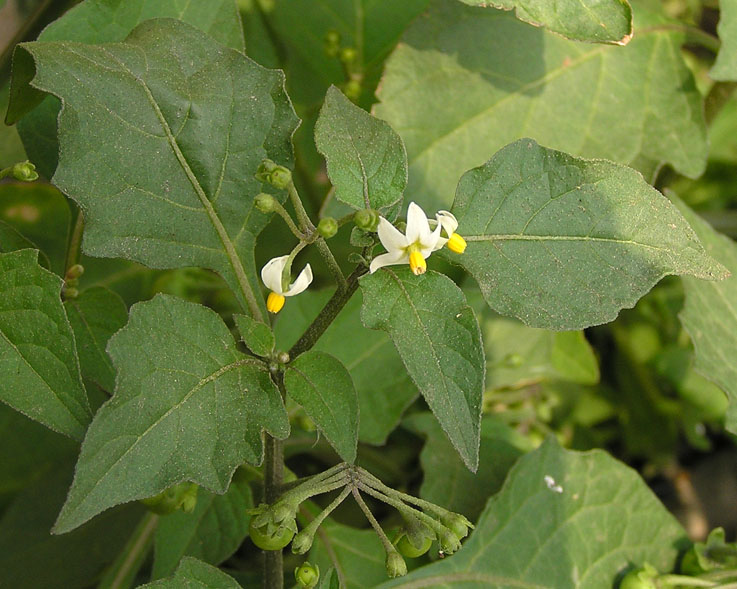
(445, 479)
(364, 352)
(323, 386)
(195, 574)
(95, 316)
(562, 519)
(565, 243)
(187, 406)
(607, 21)
(212, 532)
(725, 67)
(366, 160)
(110, 21)
(205, 115)
(710, 315)
(497, 79)
(439, 341)
(39, 370)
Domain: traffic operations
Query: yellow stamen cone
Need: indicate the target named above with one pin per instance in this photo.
(456, 244)
(275, 302)
(417, 263)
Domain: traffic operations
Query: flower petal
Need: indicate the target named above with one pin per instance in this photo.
(271, 273)
(303, 281)
(391, 237)
(448, 221)
(389, 259)
(430, 244)
(418, 228)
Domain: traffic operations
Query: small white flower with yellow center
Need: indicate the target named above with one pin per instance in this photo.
(412, 247)
(272, 274)
(449, 224)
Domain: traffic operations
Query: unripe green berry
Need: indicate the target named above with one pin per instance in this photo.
(307, 575)
(352, 90)
(25, 172)
(302, 542)
(366, 219)
(348, 55)
(643, 578)
(265, 202)
(395, 565)
(280, 177)
(327, 227)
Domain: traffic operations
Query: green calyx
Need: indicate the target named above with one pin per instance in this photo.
(179, 497)
(367, 220)
(307, 575)
(641, 578)
(271, 173)
(303, 541)
(395, 565)
(327, 227)
(25, 172)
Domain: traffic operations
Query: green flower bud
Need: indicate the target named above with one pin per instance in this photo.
(189, 500)
(265, 203)
(367, 219)
(71, 293)
(25, 172)
(457, 524)
(75, 272)
(302, 542)
(332, 43)
(348, 55)
(327, 227)
(280, 177)
(282, 357)
(264, 170)
(307, 575)
(449, 542)
(352, 90)
(395, 565)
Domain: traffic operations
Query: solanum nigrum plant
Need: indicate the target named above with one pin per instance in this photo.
(317, 273)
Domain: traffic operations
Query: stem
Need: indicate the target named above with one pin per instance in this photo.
(282, 212)
(122, 572)
(75, 242)
(300, 494)
(286, 488)
(317, 521)
(273, 474)
(299, 209)
(328, 314)
(684, 581)
(371, 480)
(327, 255)
(388, 546)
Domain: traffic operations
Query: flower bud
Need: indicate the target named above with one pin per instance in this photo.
(265, 202)
(189, 500)
(71, 293)
(327, 227)
(449, 542)
(642, 578)
(332, 43)
(280, 177)
(307, 575)
(75, 272)
(395, 565)
(348, 55)
(302, 542)
(366, 219)
(25, 172)
(352, 90)
(282, 357)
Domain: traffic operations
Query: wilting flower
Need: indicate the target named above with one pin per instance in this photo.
(272, 276)
(412, 247)
(449, 224)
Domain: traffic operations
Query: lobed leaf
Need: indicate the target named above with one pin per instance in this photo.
(497, 79)
(564, 243)
(38, 355)
(169, 94)
(188, 406)
(324, 388)
(562, 519)
(439, 340)
(599, 21)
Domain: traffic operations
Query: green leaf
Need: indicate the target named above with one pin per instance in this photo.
(31, 558)
(40, 213)
(366, 160)
(710, 314)
(207, 126)
(725, 67)
(11, 241)
(38, 358)
(95, 316)
(323, 386)
(195, 574)
(607, 21)
(212, 532)
(562, 519)
(256, 335)
(187, 407)
(447, 482)
(364, 353)
(110, 21)
(439, 341)
(564, 243)
(497, 79)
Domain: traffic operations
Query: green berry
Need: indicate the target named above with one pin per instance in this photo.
(265, 203)
(307, 575)
(406, 548)
(348, 55)
(642, 578)
(352, 90)
(277, 540)
(327, 227)
(280, 177)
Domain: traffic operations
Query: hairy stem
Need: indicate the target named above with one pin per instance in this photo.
(282, 212)
(75, 242)
(332, 264)
(273, 475)
(122, 572)
(299, 209)
(388, 546)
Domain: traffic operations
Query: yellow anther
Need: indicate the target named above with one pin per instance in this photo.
(417, 263)
(456, 244)
(275, 302)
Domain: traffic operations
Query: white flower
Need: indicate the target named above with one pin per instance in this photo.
(412, 247)
(449, 223)
(272, 273)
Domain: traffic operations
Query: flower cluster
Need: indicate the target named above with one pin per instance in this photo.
(421, 238)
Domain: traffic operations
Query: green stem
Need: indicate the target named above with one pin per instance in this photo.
(374, 482)
(388, 546)
(332, 264)
(75, 242)
(282, 212)
(123, 571)
(317, 521)
(299, 209)
(684, 581)
(328, 314)
(302, 493)
(321, 476)
(273, 474)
